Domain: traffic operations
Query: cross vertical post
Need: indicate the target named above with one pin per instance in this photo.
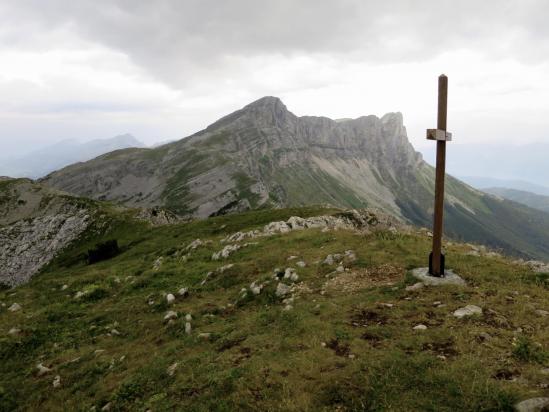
(436, 259)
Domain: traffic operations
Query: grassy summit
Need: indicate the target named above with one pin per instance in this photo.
(346, 341)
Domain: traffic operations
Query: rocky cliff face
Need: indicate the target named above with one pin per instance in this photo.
(265, 156)
(36, 223)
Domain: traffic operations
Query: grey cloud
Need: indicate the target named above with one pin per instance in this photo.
(182, 41)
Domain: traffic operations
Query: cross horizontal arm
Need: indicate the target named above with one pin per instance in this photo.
(437, 134)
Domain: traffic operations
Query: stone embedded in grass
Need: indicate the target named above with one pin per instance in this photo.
(42, 370)
(340, 269)
(204, 335)
(115, 332)
(292, 257)
(171, 369)
(542, 312)
(532, 405)
(79, 294)
(282, 289)
(256, 289)
(420, 327)
(57, 381)
(301, 264)
(415, 287)
(183, 292)
(329, 260)
(14, 331)
(468, 310)
(64, 287)
(14, 307)
(291, 274)
(188, 317)
(170, 298)
(157, 264)
(170, 315)
(188, 328)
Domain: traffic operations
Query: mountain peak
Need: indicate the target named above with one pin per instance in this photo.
(267, 102)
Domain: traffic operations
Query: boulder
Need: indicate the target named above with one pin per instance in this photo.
(468, 310)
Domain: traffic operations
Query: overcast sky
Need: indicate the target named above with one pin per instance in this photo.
(165, 69)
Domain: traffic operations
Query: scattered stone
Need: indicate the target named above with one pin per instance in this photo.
(323, 344)
(291, 274)
(532, 405)
(350, 255)
(99, 351)
(194, 244)
(542, 312)
(292, 257)
(256, 289)
(545, 371)
(115, 332)
(437, 303)
(170, 298)
(340, 269)
(385, 305)
(171, 369)
(79, 294)
(282, 289)
(415, 287)
(188, 328)
(420, 327)
(329, 260)
(449, 278)
(107, 407)
(301, 264)
(468, 310)
(183, 292)
(64, 287)
(42, 370)
(204, 335)
(157, 264)
(170, 315)
(287, 307)
(351, 356)
(484, 337)
(188, 317)
(57, 381)
(14, 307)
(14, 331)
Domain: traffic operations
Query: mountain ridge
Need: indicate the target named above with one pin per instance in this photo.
(265, 156)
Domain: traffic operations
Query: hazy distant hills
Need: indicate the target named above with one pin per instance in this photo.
(265, 156)
(532, 200)
(527, 162)
(40, 162)
(482, 183)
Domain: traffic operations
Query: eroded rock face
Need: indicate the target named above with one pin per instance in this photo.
(27, 245)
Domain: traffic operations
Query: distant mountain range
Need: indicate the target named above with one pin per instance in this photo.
(532, 200)
(526, 162)
(265, 156)
(40, 162)
(482, 183)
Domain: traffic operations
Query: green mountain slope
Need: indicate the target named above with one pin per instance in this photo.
(340, 337)
(265, 156)
(529, 199)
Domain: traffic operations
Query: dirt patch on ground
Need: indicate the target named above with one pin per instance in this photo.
(358, 279)
(366, 317)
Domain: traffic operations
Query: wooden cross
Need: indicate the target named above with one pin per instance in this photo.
(436, 258)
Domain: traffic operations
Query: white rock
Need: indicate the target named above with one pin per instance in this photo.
(292, 257)
(14, 331)
(79, 294)
(420, 327)
(204, 335)
(188, 328)
(42, 370)
(183, 292)
(157, 263)
(64, 287)
(301, 264)
(542, 312)
(115, 332)
(468, 310)
(532, 405)
(57, 381)
(282, 289)
(188, 317)
(170, 315)
(288, 308)
(256, 289)
(329, 260)
(170, 298)
(107, 407)
(171, 369)
(414, 287)
(340, 269)
(14, 307)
